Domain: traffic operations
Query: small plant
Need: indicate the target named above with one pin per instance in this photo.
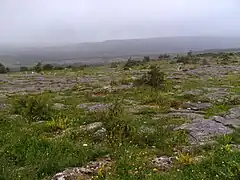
(154, 78)
(33, 108)
(57, 124)
(119, 127)
(185, 159)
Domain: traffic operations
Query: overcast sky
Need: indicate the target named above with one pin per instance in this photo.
(68, 21)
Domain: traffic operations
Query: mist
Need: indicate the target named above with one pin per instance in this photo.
(58, 22)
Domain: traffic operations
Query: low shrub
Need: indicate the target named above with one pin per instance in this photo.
(154, 78)
(33, 108)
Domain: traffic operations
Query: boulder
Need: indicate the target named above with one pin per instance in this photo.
(91, 127)
(202, 130)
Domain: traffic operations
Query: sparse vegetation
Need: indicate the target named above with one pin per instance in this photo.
(32, 108)
(147, 123)
(47, 67)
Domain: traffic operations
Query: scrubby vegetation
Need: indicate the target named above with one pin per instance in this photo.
(3, 69)
(153, 123)
(154, 78)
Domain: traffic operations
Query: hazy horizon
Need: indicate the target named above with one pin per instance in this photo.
(59, 22)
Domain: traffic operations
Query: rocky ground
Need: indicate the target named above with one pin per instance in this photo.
(96, 124)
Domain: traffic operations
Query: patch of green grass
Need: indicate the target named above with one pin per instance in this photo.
(222, 164)
(25, 154)
(33, 108)
(217, 109)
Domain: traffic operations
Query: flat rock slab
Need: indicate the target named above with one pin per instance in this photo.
(91, 127)
(185, 115)
(203, 130)
(232, 119)
(219, 96)
(94, 107)
(195, 92)
(198, 106)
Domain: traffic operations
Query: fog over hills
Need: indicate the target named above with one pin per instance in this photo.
(98, 51)
(54, 31)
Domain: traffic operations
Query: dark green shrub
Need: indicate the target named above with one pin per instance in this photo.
(58, 68)
(3, 69)
(189, 53)
(130, 63)
(114, 65)
(205, 62)
(154, 78)
(120, 128)
(163, 56)
(23, 68)
(38, 68)
(7, 69)
(183, 59)
(188, 59)
(146, 59)
(47, 67)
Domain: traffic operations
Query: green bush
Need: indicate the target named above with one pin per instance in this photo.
(47, 67)
(130, 63)
(32, 108)
(163, 56)
(120, 128)
(3, 69)
(114, 64)
(146, 59)
(188, 59)
(154, 78)
(38, 68)
(205, 62)
(23, 68)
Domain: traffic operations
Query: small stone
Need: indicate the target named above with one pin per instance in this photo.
(58, 106)
(101, 133)
(98, 107)
(91, 127)
(164, 162)
(202, 130)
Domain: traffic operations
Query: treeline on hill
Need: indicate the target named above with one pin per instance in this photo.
(48, 67)
(190, 58)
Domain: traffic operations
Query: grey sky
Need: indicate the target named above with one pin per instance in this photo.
(67, 21)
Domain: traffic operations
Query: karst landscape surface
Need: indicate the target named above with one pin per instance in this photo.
(151, 119)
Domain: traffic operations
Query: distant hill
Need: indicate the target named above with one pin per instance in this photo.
(100, 51)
